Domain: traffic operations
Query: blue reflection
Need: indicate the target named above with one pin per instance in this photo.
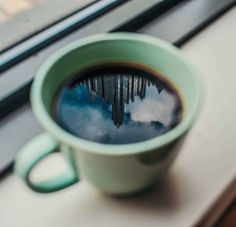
(117, 109)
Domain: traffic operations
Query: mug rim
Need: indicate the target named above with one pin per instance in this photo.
(110, 149)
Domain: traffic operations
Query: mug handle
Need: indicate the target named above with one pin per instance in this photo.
(35, 151)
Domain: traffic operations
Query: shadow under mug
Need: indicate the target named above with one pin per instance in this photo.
(116, 169)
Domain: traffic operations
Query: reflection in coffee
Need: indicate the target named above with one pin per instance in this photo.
(117, 104)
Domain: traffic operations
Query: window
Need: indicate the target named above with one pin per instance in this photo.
(21, 18)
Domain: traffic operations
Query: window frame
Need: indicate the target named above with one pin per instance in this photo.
(54, 31)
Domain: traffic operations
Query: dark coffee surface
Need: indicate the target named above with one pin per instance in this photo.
(117, 105)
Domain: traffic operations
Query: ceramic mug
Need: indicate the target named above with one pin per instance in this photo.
(117, 169)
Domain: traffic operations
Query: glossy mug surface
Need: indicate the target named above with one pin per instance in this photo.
(116, 169)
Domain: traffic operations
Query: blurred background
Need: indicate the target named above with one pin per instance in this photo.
(19, 18)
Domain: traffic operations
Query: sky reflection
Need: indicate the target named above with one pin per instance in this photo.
(117, 109)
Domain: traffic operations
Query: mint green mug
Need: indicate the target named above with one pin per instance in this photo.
(116, 169)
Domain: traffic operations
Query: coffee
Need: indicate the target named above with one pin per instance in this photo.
(117, 104)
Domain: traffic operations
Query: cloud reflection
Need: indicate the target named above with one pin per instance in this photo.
(116, 109)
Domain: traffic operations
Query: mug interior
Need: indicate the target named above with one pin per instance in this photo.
(112, 48)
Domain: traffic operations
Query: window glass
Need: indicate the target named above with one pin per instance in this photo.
(20, 18)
